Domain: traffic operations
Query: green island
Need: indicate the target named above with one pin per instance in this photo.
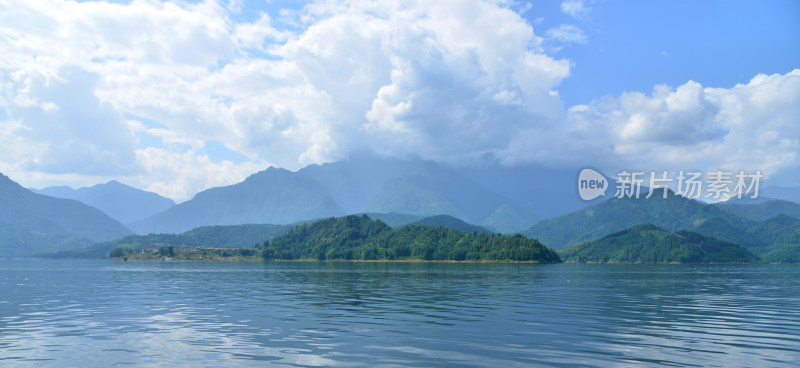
(359, 238)
(648, 243)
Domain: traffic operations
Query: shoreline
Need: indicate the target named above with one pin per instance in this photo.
(232, 259)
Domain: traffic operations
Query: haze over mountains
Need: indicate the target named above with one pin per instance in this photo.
(31, 222)
(616, 214)
(487, 196)
(530, 199)
(123, 203)
(768, 230)
(785, 193)
(273, 196)
(763, 210)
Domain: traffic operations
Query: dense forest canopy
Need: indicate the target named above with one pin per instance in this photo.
(360, 238)
(650, 244)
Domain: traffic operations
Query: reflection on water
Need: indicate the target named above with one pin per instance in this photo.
(102, 313)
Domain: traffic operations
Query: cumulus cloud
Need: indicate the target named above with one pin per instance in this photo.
(751, 126)
(182, 174)
(72, 129)
(400, 78)
(139, 88)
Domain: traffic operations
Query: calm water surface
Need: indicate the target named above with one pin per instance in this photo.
(105, 313)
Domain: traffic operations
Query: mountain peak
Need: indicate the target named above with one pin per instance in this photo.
(31, 222)
(120, 201)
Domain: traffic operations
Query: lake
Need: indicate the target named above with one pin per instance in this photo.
(190, 314)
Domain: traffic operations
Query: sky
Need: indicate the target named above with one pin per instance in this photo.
(176, 97)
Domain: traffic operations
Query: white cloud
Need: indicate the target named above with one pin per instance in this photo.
(73, 130)
(256, 35)
(567, 34)
(100, 80)
(423, 78)
(575, 8)
(753, 126)
(181, 175)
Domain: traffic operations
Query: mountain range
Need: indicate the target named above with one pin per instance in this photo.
(31, 222)
(481, 199)
(785, 193)
(369, 184)
(273, 196)
(119, 201)
(775, 239)
(616, 214)
(763, 210)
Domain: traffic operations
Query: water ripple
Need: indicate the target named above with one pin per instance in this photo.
(101, 313)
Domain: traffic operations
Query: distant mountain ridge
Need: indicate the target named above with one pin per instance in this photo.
(451, 222)
(616, 214)
(122, 202)
(361, 184)
(776, 239)
(791, 194)
(31, 222)
(762, 210)
(431, 190)
(273, 196)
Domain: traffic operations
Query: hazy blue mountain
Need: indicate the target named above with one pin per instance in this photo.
(544, 191)
(508, 219)
(367, 182)
(61, 191)
(432, 189)
(616, 214)
(273, 196)
(123, 203)
(31, 222)
(451, 222)
(648, 243)
(374, 184)
(761, 211)
(786, 193)
(355, 180)
(747, 200)
(395, 220)
(527, 193)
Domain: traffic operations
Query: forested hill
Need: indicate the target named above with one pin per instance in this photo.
(360, 238)
(650, 244)
(617, 214)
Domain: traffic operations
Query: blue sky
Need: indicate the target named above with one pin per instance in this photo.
(177, 97)
(635, 45)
